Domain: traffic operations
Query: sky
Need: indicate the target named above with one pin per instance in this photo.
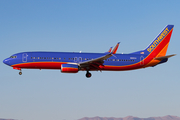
(87, 26)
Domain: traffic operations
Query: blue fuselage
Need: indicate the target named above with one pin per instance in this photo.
(32, 59)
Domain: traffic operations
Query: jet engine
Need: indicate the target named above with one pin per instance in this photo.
(69, 68)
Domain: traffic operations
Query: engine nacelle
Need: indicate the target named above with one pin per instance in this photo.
(69, 68)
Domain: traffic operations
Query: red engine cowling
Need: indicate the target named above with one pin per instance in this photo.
(69, 68)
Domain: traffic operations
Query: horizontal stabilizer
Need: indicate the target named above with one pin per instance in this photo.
(164, 57)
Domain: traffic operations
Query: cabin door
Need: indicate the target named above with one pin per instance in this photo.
(24, 57)
(141, 60)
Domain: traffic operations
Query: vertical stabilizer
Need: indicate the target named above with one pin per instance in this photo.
(160, 44)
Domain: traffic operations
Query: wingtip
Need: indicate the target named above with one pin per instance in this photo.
(115, 48)
(110, 49)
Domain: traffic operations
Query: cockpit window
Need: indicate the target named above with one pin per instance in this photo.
(13, 57)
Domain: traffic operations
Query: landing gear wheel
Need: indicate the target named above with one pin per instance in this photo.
(20, 73)
(88, 75)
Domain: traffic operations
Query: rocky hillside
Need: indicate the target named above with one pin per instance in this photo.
(168, 117)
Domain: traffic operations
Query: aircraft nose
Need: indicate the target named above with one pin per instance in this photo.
(6, 61)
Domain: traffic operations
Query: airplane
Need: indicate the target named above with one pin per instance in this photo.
(73, 62)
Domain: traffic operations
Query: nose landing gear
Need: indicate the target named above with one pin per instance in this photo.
(20, 73)
(16, 68)
(88, 74)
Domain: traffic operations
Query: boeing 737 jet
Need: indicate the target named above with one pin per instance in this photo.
(70, 62)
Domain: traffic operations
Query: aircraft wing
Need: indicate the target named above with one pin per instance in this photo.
(99, 60)
(95, 63)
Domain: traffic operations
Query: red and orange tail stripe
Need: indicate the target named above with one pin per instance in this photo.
(159, 46)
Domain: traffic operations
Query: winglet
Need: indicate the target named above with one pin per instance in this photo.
(110, 50)
(115, 48)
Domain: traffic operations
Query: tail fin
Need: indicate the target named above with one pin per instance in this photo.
(160, 44)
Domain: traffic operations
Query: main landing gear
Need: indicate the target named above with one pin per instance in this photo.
(88, 74)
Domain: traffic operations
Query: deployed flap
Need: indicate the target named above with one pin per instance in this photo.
(163, 57)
